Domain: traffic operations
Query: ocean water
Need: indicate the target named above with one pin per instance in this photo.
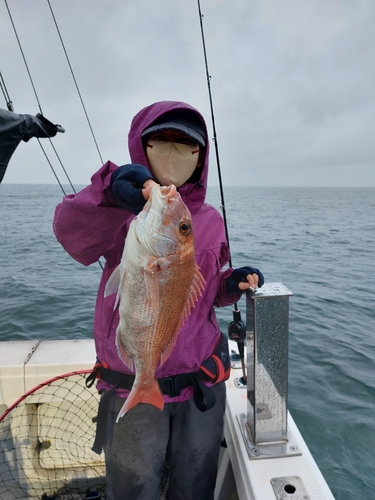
(319, 242)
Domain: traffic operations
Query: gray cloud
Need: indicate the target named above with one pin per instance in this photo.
(292, 83)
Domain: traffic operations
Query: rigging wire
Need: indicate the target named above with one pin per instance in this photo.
(75, 82)
(5, 93)
(79, 94)
(50, 164)
(62, 166)
(11, 108)
(24, 58)
(40, 107)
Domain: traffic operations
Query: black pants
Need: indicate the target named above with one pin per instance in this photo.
(179, 446)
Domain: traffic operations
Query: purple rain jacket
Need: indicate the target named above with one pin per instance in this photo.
(91, 224)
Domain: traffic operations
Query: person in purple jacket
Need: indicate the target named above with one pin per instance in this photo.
(176, 450)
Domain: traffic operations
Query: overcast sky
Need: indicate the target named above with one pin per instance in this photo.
(293, 83)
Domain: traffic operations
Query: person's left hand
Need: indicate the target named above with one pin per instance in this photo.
(244, 278)
(251, 282)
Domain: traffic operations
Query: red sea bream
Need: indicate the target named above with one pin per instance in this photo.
(157, 284)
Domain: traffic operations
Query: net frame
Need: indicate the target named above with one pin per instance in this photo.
(45, 442)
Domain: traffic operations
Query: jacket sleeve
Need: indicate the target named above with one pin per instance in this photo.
(223, 298)
(88, 223)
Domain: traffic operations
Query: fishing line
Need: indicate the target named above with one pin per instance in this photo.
(75, 82)
(236, 329)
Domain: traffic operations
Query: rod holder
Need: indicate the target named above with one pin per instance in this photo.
(267, 332)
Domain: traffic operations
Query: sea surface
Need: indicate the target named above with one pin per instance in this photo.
(319, 242)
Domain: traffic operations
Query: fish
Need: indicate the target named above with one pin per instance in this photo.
(158, 282)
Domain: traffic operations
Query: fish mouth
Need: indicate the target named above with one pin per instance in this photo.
(160, 196)
(168, 191)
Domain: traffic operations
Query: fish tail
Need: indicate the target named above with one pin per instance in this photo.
(149, 395)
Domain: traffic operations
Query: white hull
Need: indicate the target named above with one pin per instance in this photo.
(26, 364)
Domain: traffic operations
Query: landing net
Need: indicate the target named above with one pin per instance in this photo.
(45, 443)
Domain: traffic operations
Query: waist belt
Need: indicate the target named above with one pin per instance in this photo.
(204, 398)
(170, 386)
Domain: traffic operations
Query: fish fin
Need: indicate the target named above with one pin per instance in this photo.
(124, 356)
(149, 395)
(113, 282)
(195, 291)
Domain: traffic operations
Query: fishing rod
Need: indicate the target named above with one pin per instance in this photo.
(236, 328)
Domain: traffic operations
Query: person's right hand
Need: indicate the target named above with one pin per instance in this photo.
(147, 186)
(128, 185)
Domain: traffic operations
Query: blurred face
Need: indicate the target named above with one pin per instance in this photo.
(172, 156)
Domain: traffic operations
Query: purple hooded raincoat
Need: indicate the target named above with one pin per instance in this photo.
(91, 224)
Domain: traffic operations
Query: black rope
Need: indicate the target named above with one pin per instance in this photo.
(75, 82)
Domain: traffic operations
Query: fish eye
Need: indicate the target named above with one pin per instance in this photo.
(185, 228)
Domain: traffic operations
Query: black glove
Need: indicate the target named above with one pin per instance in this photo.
(238, 276)
(127, 184)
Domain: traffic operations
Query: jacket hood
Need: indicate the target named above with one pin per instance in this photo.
(193, 194)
